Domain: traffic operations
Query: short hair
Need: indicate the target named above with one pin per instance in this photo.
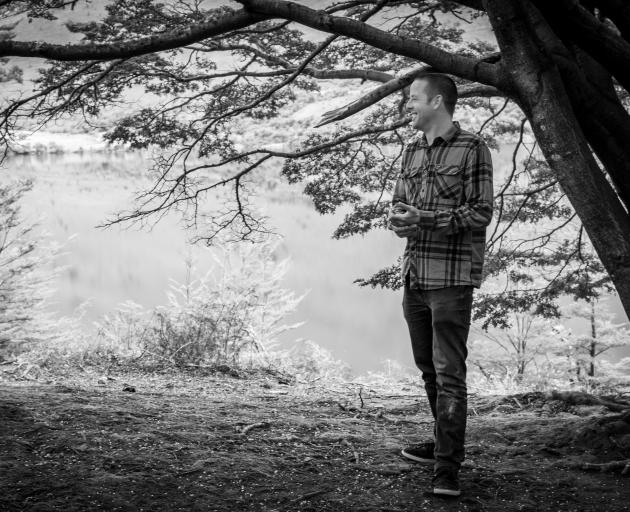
(439, 83)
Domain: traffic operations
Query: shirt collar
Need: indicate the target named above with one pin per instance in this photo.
(453, 130)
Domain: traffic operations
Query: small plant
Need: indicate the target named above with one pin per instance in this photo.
(233, 313)
(312, 362)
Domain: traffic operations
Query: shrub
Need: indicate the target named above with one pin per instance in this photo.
(236, 309)
(27, 273)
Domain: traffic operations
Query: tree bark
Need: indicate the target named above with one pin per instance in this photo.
(572, 20)
(593, 347)
(543, 97)
(601, 115)
(618, 11)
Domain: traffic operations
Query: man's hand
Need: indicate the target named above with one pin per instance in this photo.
(404, 215)
(405, 231)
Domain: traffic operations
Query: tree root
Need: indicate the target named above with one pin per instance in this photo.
(608, 467)
(580, 398)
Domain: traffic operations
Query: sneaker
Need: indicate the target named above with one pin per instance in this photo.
(420, 453)
(446, 482)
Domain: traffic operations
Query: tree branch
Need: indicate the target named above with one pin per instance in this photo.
(320, 74)
(391, 87)
(125, 49)
(465, 67)
(477, 5)
(601, 115)
(572, 20)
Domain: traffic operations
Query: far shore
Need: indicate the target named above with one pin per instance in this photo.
(44, 142)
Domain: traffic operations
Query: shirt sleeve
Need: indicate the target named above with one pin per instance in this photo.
(476, 211)
(400, 195)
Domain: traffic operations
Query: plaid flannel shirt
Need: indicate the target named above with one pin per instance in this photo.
(450, 182)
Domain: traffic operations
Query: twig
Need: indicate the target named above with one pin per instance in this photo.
(309, 495)
(360, 397)
(517, 402)
(624, 465)
(396, 421)
(262, 424)
(383, 471)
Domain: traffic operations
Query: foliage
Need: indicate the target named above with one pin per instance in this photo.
(27, 273)
(583, 351)
(517, 355)
(538, 353)
(311, 362)
(231, 315)
(201, 113)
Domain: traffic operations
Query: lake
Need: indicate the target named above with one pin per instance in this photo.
(75, 192)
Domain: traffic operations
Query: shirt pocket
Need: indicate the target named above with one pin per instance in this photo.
(448, 182)
(412, 179)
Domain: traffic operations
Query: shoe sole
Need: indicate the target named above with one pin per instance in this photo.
(408, 455)
(439, 491)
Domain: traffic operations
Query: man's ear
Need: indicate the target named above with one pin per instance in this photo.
(437, 101)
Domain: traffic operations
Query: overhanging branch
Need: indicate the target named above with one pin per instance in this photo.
(125, 49)
(459, 65)
(391, 87)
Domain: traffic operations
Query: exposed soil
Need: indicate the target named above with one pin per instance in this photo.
(221, 443)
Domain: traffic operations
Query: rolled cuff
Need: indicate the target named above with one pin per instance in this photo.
(427, 220)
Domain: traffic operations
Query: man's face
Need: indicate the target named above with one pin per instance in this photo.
(420, 105)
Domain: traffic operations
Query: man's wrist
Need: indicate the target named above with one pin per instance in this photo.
(426, 220)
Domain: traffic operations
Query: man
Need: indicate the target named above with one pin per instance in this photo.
(442, 204)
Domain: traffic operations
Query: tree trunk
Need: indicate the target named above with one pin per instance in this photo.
(538, 86)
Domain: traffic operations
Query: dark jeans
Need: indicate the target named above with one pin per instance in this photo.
(438, 322)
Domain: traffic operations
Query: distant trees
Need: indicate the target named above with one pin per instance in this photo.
(517, 355)
(537, 352)
(602, 335)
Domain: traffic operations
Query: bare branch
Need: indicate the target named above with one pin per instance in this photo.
(494, 116)
(320, 74)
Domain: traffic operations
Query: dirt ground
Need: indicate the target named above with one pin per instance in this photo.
(218, 442)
